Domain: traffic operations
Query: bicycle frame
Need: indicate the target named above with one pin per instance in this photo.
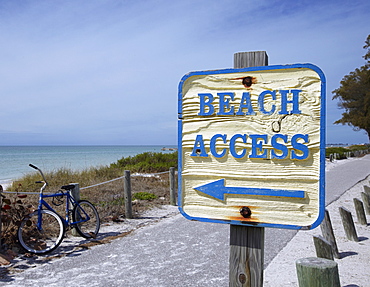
(69, 200)
(43, 230)
(66, 221)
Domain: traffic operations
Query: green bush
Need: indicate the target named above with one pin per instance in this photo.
(342, 150)
(13, 209)
(147, 162)
(339, 150)
(358, 147)
(144, 196)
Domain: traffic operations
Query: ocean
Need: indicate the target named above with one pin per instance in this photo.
(14, 160)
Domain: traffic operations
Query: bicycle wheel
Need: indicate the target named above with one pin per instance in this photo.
(86, 212)
(41, 241)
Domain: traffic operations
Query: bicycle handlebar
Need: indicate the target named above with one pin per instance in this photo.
(33, 166)
(39, 170)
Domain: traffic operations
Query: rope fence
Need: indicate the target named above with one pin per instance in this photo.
(133, 175)
(95, 185)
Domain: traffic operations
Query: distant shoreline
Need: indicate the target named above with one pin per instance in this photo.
(15, 159)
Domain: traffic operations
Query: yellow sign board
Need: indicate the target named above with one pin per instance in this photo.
(252, 146)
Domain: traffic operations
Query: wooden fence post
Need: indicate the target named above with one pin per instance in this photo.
(323, 248)
(76, 191)
(366, 200)
(76, 195)
(172, 186)
(328, 233)
(318, 272)
(127, 194)
(360, 211)
(367, 190)
(246, 256)
(247, 242)
(349, 226)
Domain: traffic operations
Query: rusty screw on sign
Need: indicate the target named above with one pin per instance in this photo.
(245, 212)
(247, 81)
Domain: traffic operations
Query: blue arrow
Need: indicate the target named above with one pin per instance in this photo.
(217, 189)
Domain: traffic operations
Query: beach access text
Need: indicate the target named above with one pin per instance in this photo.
(252, 146)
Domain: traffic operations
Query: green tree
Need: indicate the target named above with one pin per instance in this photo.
(354, 96)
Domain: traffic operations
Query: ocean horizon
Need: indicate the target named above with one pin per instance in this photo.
(14, 160)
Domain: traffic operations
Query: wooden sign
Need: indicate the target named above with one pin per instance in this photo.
(252, 146)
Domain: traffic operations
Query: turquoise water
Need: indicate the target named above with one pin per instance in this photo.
(14, 160)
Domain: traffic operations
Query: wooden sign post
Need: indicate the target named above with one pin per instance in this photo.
(252, 153)
(247, 242)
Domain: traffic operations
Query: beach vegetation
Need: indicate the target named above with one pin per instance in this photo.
(144, 196)
(338, 150)
(359, 147)
(147, 162)
(116, 201)
(14, 207)
(344, 152)
(149, 183)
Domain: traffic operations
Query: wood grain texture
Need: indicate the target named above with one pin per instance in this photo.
(250, 59)
(328, 233)
(366, 200)
(317, 272)
(360, 211)
(367, 190)
(172, 186)
(348, 224)
(248, 172)
(323, 248)
(127, 194)
(246, 256)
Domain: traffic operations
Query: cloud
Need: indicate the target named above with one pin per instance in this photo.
(93, 72)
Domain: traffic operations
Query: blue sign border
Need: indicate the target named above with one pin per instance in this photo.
(322, 144)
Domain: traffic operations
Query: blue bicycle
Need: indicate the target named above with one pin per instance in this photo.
(43, 230)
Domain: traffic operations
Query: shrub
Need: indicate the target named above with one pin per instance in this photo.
(13, 210)
(343, 150)
(340, 150)
(358, 147)
(144, 196)
(147, 162)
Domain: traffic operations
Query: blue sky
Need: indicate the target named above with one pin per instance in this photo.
(107, 72)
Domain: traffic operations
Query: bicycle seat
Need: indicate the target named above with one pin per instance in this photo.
(68, 187)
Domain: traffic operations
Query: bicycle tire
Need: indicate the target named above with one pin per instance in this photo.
(89, 228)
(40, 242)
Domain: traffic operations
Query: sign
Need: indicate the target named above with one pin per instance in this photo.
(252, 146)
